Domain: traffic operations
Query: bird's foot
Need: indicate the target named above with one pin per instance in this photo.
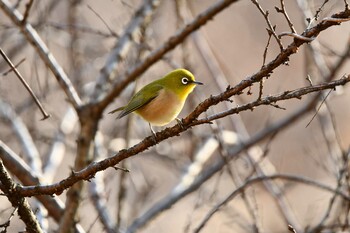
(153, 134)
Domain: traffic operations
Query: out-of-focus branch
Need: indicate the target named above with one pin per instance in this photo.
(58, 147)
(264, 167)
(24, 211)
(250, 182)
(189, 121)
(97, 189)
(21, 131)
(22, 171)
(141, 17)
(33, 37)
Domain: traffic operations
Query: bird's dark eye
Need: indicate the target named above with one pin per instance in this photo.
(184, 81)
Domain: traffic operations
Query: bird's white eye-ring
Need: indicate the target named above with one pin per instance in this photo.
(184, 81)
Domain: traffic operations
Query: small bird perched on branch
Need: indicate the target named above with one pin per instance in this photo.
(161, 101)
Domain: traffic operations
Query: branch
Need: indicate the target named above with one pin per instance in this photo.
(24, 211)
(271, 28)
(22, 171)
(268, 100)
(33, 37)
(170, 44)
(122, 46)
(259, 179)
(31, 154)
(89, 172)
(176, 195)
(25, 84)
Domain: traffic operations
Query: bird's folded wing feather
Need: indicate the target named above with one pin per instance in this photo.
(140, 99)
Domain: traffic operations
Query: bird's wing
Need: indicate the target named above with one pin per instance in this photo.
(141, 98)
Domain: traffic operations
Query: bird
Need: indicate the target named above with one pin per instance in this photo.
(161, 101)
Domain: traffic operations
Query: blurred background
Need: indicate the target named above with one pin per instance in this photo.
(229, 48)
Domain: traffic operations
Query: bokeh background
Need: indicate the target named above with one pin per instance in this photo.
(80, 34)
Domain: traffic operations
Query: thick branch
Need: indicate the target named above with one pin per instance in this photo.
(24, 211)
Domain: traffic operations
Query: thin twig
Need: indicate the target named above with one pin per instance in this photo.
(296, 36)
(104, 22)
(317, 14)
(26, 13)
(6, 224)
(318, 109)
(80, 28)
(16, 165)
(271, 28)
(252, 181)
(33, 37)
(294, 94)
(25, 84)
(158, 53)
(141, 17)
(16, 66)
(284, 12)
(267, 46)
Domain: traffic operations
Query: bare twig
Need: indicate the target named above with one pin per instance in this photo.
(142, 16)
(170, 44)
(294, 94)
(25, 84)
(189, 121)
(17, 65)
(317, 14)
(6, 224)
(104, 22)
(332, 202)
(97, 189)
(296, 36)
(23, 172)
(252, 181)
(26, 13)
(271, 28)
(318, 109)
(284, 12)
(33, 37)
(80, 28)
(267, 46)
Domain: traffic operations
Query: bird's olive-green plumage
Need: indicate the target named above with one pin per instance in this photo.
(160, 101)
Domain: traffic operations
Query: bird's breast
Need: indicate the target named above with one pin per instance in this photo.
(163, 109)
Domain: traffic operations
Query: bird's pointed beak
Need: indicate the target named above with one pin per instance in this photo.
(198, 83)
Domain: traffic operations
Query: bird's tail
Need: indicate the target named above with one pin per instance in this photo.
(116, 110)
